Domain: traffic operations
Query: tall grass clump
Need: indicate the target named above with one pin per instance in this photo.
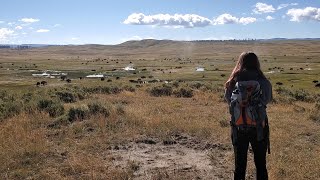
(183, 92)
(97, 108)
(67, 97)
(315, 113)
(129, 88)
(9, 109)
(53, 108)
(287, 95)
(78, 113)
(161, 91)
(102, 90)
(84, 112)
(10, 105)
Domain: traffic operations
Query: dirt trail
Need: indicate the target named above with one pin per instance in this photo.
(181, 156)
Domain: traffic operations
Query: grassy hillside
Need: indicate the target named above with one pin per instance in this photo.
(164, 120)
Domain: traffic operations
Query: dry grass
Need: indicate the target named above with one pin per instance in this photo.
(30, 149)
(34, 145)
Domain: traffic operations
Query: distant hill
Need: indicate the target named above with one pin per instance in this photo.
(24, 46)
(151, 42)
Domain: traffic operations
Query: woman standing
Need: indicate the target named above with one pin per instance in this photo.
(247, 92)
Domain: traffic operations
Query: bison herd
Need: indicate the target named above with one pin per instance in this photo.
(316, 82)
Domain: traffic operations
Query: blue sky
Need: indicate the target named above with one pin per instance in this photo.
(113, 22)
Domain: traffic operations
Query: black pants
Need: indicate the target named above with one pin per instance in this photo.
(241, 149)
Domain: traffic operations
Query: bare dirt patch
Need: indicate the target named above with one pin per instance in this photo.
(180, 156)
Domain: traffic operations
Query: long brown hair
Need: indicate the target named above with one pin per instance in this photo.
(246, 61)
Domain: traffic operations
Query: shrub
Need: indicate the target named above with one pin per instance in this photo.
(196, 85)
(44, 104)
(182, 92)
(302, 95)
(54, 108)
(115, 90)
(175, 84)
(78, 113)
(27, 97)
(5, 96)
(315, 113)
(67, 97)
(297, 95)
(161, 91)
(129, 88)
(120, 108)
(102, 90)
(9, 109)
(98, 108)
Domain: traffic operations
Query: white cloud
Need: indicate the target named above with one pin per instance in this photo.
(226, 19)
(18, 27)
(176, 20)
(269, 18)
(247, 20)
(308, 13)
(43, 30)
(219, 38)
(2, 22)
(281, 6)
(57, 25)
(11, 23)
(29, 20)
(5, 33)
(74, 39)
(186, 21)
(263, 8)
(229, 19)
(135, 38)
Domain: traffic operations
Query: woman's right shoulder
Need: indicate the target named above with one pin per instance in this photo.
(265, 82)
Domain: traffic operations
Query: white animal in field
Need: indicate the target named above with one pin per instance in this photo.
(199, 69)
(129, 68)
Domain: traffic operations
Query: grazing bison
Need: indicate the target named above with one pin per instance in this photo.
(102, 79)
(68, 80)
(63, 78)
(317, 85)
(117, 77)
(109, 80)
(43, 83)
(222, 75)
(133, 81)
(153, 81)
(279, 83)
(315, 81)
(38, 84)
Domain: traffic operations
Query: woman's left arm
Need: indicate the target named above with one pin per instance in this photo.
(227, 95)
(266, 91)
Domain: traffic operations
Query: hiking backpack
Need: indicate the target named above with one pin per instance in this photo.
(246, 107)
